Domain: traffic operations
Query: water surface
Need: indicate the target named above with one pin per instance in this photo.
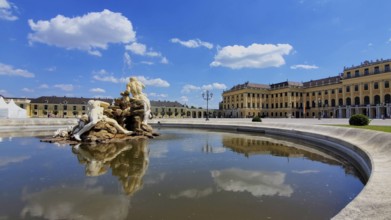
(183, 174)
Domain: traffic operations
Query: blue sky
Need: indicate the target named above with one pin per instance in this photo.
(179, 48)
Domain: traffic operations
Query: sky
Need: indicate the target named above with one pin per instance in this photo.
(178, 48)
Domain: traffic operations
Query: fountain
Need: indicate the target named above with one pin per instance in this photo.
(126, 118)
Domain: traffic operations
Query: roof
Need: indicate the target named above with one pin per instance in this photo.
(67, 100)
(83, 101)
(248, 85)
(166, 104)
(321, 82)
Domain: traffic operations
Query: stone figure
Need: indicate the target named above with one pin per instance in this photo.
(135, 87)
(95, 114)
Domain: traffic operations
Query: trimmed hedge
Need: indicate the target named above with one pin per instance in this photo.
(359, 120)
(257, 119)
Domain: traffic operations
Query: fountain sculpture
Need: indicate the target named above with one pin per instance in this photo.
(126, 118)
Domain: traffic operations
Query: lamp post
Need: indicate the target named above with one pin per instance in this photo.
(319, 105)
(207, 96)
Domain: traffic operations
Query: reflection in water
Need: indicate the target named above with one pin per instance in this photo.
(257, 183)
(128, 161)
(4, 161)
(283, 148)
(75, 203)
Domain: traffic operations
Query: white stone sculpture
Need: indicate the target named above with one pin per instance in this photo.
(95, 114)
(135, 87)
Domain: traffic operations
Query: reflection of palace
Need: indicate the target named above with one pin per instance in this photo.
(364, 89)
(128, 161)
(266, 146)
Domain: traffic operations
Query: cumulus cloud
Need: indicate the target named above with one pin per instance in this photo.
(189, 88)
(7, 10)
(127, 60)
(304, 66)
(219, 86)
(255, 182)
(184, 99)
(193, 193)
(104, 76)
(157, 82)
(47, 204)
(153, 94)
(5, 161)
(194, 43)
(43, 86)
(9, 70)
(141, 50)
(91, 32)
(253, 56)
(305, 171)
(65, 87)
(97, 90)
(27, 90)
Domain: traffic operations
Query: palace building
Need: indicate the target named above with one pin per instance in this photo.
(69, 107)
(362, 89)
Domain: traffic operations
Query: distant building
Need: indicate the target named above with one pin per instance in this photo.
(69, 107)
(363, 89)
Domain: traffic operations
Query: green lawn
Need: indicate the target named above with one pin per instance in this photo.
(369, 127)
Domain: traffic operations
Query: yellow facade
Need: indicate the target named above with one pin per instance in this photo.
(363, 89)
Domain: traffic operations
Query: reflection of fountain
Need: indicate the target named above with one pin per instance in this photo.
(127, 160)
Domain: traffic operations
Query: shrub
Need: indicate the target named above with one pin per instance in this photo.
(257, 119)
(359, 120)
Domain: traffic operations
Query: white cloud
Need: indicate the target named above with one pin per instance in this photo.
(184, 99)
(305, 171)
(164, 60)
(304, 66)
(189, 88)
(5, 161)
(158, 82)
(91, 32)
(253, 56)
(65, 87)
(127, 60)
(153, 94)
(6, 11)
(106, 78)
(97, 90)
(43, 86)
(141, 49)
(219, 86)
(194, 43)
(47, 204)
(4, 92)
(9, 70)
(147, 62)
(257, 183)
(137, 48)
(51, 69)
(193, 193)
(27, 90)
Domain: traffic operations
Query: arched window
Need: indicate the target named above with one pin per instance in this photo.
(387, 98)
(340, 102)
(348, 101)
(377, 99)
(357, 101)
(332, 102)
(366, 100)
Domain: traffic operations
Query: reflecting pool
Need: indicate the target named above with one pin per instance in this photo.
(183, 174)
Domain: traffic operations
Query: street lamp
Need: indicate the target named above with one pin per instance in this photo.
(319, 106)
(207, 96)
